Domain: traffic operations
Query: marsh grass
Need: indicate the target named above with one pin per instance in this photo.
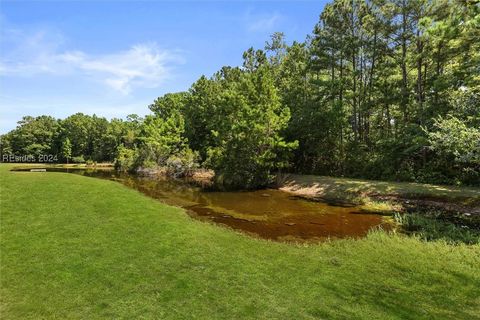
(434, 226)
(380, 207)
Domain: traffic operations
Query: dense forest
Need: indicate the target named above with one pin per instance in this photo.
(381, 89)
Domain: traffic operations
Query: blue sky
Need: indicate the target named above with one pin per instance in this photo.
(113, 58)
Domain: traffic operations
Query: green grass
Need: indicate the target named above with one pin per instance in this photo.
(432, 226)
(74, 247)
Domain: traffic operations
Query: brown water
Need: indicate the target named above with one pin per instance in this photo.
(270, 214)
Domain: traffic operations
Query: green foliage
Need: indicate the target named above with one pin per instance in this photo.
(182, 164)
(165, 106)
(78, 128)
(5, 145)
(89, 137)
(159, 137)
(246, 142)
(160, 141)
(380, 90)
(377, 73)
(126, 159)
(457, 150)
(78, 159)
(431, 227)
(452, 139)
(200, 114)
(66, 149)
(34, 136)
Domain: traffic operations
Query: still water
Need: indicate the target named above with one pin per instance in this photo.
(269, 213)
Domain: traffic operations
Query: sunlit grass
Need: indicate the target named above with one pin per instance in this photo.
(381, 207)
(362, 192)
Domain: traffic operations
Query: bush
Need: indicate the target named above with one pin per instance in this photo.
(78, 159)
(452, 138)
(431, 226)
(182, 164)
(126, 159)
(457, 149)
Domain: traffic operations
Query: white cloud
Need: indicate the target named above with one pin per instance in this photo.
(263, 22)
(141, 66)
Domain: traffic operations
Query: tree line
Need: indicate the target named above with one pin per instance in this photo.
(381, 89)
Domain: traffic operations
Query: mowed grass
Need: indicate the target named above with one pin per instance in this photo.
(74, 247)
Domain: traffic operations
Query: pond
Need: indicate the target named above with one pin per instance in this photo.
(268, 213)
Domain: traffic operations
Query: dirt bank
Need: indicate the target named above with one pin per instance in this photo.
(381, 195)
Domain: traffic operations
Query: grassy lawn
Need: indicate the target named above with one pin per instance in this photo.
(74, 247)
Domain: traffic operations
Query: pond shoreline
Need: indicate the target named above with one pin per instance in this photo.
(68, 242)
(385, 197)
(268, 213)
(373, 196)
(265, 212)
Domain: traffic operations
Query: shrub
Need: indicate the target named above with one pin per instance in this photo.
(78, 159)
(126, 159)
(182, 164)
(457, 147)
(431, 226)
